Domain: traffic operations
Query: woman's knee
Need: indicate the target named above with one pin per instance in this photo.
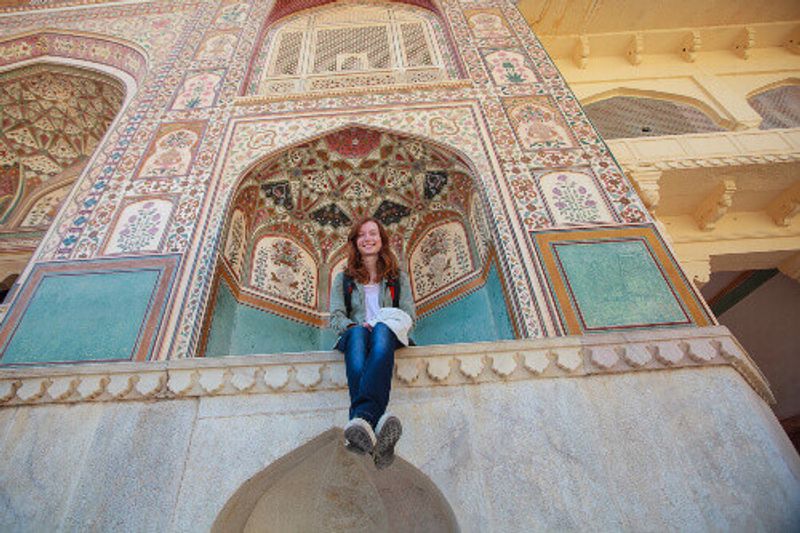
(382, 336)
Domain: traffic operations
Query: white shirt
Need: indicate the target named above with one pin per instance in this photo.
(371, 300)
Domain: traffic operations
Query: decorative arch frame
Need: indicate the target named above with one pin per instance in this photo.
(226, 207)
(676, 98)
(124, 61)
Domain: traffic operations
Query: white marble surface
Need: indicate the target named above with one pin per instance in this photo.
(682, 449)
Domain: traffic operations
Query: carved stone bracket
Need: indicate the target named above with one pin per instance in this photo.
(636, 49)
(422, 366)
(647, 184)
(745, 42)
(791, 267)
(715, 205)
(691, 45)
(786, 206)
(581, 53)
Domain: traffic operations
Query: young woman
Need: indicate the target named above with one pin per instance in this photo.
(368, 336)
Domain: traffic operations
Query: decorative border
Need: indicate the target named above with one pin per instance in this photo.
(422, 366)
(570, 314)
(166, 265)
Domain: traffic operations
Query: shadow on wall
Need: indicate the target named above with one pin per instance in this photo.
(238, 329)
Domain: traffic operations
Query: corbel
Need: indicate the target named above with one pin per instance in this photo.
(786, 206)
(793, 42)
(745, 42)
(698, 270)
(581, 53)
(691, 45)
(715, 205)
(791, 267)
(647, 184)
(636, 49)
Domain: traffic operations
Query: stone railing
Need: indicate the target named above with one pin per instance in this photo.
(699, 150)
(423, 366)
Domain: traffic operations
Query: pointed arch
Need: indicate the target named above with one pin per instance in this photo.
(316, 487)
(705, 117)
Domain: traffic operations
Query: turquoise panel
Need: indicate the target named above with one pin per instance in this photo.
(618, 284)
(86, 317)
(480, 316)
(238, 329)
(223, 322)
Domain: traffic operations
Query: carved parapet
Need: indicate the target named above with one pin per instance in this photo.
(715, 205)
(422, 366)
(786, 206)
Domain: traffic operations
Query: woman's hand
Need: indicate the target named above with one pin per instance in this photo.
(366, 325)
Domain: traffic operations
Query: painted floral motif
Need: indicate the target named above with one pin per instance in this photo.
(573, 198)
(140, 227)
(440, 259)
(480, 229)
(538, 123)
(218, 45)
(44, 210)
(284, 270)
(199, 91)
(235, 243)
(487, 24)
(509, 67)
(172, 154)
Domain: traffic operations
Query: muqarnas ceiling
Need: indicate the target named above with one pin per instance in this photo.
(290, 215)
(51, 119)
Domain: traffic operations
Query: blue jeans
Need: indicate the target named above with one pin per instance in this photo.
(369, 359)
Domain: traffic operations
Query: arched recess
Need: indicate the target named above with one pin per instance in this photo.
(304, 199)
(778, 104)
(323, 45)
(322, 487)
(626, 113)
(79, 85)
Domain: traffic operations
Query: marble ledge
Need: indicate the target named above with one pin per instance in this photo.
(421, 366)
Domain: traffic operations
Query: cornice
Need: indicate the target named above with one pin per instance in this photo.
(423, 366)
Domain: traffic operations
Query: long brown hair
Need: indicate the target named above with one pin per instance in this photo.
(387, 261)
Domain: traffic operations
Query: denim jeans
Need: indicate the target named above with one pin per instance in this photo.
(369, 359)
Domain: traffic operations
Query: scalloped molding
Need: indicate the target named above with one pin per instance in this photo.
(423, 366)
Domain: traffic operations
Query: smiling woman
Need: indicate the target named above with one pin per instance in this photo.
(372, 311)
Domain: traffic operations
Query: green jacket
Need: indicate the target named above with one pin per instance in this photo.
(339, 319)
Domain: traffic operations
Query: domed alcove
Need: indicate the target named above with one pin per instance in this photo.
(285, 239)
(322, 487)
(52, 117)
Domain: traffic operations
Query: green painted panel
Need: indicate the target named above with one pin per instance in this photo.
(223, 322)
(87, 317)
(480, 316)
(618, 284)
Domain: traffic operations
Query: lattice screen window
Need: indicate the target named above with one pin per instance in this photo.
(353, 45)
(628, 116)
(779, 107)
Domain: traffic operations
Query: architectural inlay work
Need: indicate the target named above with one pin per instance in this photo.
(177, 183)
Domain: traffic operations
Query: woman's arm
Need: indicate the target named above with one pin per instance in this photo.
(339, 320)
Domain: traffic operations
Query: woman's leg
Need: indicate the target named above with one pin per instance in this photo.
(354, 344)
(376, 379)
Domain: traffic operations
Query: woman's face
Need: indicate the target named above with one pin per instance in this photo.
(368, 241)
